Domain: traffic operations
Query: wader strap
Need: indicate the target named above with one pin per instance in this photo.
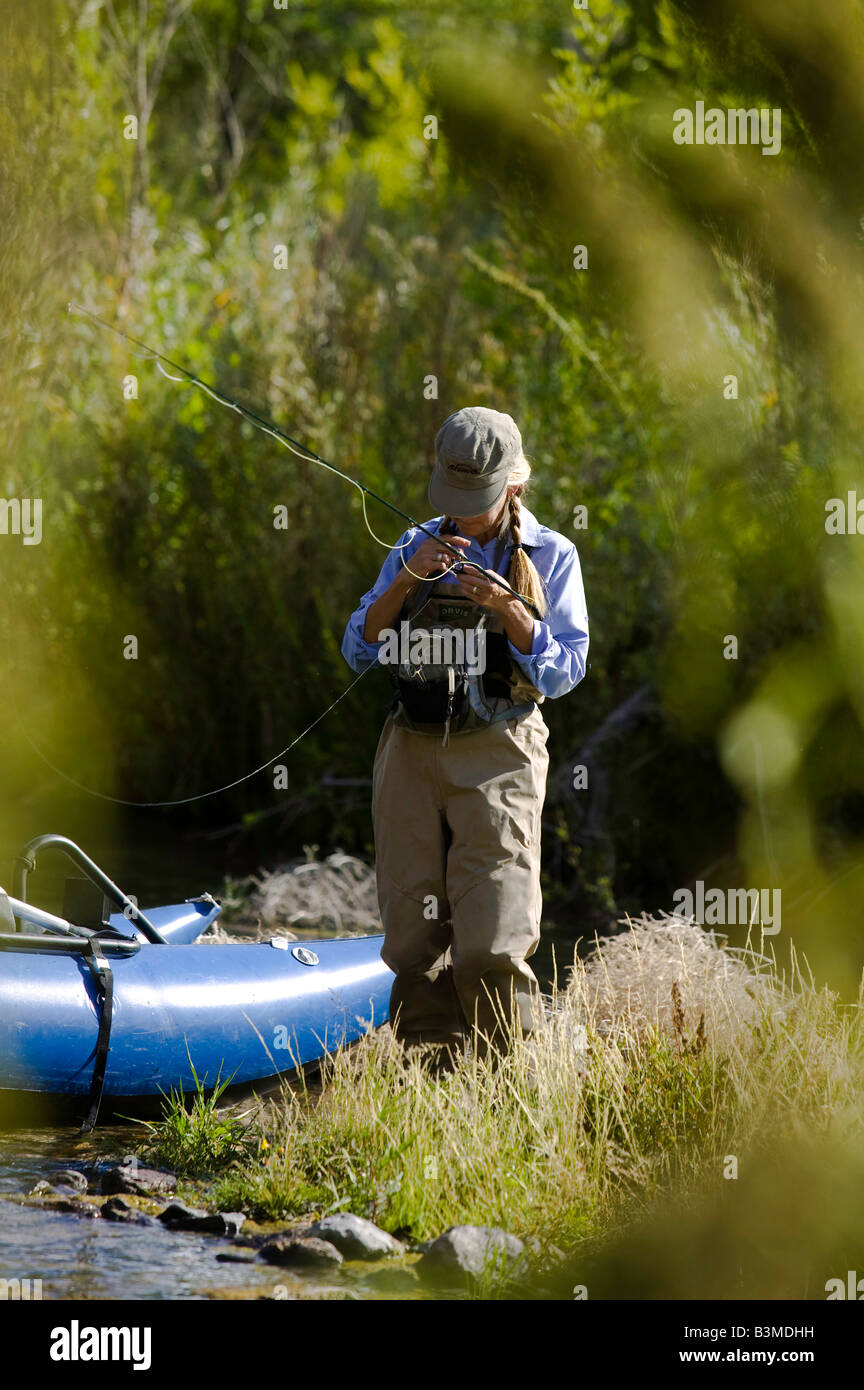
(514, 712)
(104, 978)
(451, 691)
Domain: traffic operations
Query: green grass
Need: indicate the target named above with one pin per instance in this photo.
(195, 1136)
(562, 1148)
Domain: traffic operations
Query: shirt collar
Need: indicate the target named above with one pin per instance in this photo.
(531, 528)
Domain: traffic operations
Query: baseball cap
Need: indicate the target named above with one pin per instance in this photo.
(476, 450)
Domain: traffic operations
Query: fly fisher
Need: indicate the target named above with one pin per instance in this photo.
(460, 771)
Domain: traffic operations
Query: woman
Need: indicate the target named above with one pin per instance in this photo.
(460, 771)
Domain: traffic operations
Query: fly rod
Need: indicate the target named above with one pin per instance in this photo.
(301, 450)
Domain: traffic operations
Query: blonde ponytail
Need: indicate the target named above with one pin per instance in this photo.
(523, 576)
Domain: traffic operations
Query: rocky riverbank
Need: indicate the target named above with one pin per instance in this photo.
(341, 1244)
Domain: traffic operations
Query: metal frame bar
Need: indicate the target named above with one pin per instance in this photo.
(26, 863)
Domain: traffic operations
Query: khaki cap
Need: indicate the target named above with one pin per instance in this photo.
(476, 450)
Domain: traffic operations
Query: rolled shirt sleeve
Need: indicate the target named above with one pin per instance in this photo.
(559, 651)
(359, 653)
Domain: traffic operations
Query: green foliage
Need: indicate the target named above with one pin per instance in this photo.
(196, 1137)
(453, 257)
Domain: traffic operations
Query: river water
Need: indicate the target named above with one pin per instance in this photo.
(95, 1259)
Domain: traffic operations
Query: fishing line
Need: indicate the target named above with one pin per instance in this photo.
(301, 450)
(307, 455)
(388, 545)
(284, 440)
(202, 796)
(183, 800)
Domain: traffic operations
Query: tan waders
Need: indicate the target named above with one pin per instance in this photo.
(457, 837)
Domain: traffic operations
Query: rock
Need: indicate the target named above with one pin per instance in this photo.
(116, 1209)
(137, 1181)
(71, 1205)
(307, 1251)
(58, 1188)
(255, 1240)
(469, 1252)
(225, 1223)
(253, 1243)
(237, 1257)
(355, 1237)
(219, 1223)
(178, 1214)
(70, 1177)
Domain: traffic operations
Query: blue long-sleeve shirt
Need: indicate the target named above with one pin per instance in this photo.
(556, 662)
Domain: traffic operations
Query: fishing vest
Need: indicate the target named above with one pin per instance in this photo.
(454, 673)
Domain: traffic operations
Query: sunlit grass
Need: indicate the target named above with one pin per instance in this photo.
(622, 1098)
(196, 1137)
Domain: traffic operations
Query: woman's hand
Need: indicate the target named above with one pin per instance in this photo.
(515, 617)
(427, 558)
(432, 556)
(475, 585)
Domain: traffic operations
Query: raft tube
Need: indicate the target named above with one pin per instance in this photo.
(248, 1014)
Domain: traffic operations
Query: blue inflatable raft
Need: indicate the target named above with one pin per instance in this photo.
(115, 1015)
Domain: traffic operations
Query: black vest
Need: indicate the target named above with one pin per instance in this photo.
(454, 672)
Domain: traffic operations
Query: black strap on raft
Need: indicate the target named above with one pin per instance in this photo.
(104, 980)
